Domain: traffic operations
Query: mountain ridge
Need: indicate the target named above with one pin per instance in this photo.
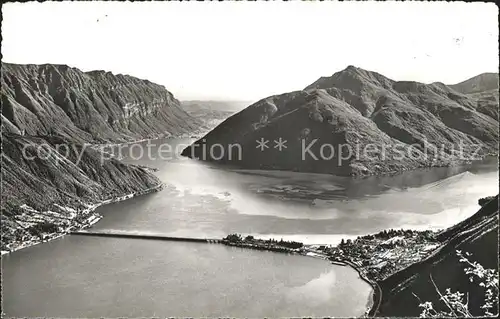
(95, 106)
(356, 107)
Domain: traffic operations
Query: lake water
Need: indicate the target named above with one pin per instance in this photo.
(111, 277)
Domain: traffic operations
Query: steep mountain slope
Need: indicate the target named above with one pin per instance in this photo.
(94, 106)
(51, 178)
(477, 235)
(41, 175)
(479, 83)
(371, 123)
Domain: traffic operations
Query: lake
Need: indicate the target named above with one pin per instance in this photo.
(112, 277)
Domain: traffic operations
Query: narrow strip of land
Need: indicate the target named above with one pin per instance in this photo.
(143, 236)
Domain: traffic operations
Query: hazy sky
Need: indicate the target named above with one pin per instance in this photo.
(241, 50)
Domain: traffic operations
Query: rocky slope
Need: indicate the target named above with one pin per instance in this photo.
(51, 180)
(372, 124)
(477, 235)
(96, 106)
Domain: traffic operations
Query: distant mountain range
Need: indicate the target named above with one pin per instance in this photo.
(356, 108)
(212, 112)
(216, 105)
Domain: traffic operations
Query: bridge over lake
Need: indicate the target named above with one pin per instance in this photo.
(117, 234)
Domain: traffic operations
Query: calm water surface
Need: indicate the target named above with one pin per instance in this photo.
(112, 277)
(90, 277)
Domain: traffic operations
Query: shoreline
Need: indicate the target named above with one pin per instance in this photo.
(376, 295)
(356, 176)
(91, 220)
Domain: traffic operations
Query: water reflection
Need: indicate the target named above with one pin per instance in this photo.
(318, 291)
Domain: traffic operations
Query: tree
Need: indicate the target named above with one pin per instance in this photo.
(234, 238)
(454, 301)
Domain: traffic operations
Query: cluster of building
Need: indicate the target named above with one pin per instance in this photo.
(374, 256)
(34, 227)
(385, 253)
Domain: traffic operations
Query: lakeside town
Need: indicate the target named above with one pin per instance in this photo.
(57, 222)
(375, 256)
(35, 227)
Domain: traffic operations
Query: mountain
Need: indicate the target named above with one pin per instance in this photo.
(477, 235)
(480, 83)
(355, 122)
(51, 174)
(96, 106)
